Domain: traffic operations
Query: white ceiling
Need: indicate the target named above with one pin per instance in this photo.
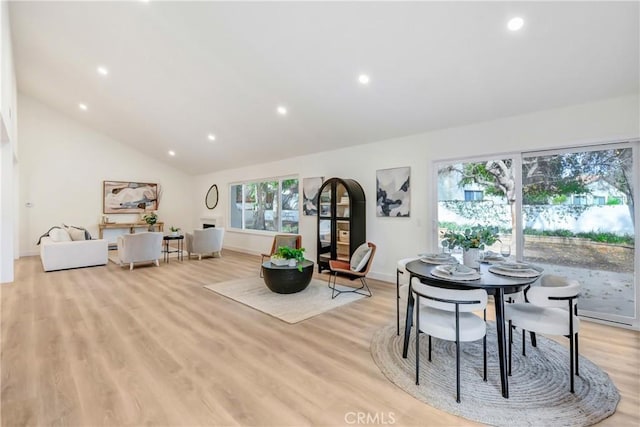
(180, 70)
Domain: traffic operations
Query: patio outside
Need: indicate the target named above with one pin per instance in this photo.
(577, 215)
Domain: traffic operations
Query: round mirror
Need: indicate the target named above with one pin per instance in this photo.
(211, 199)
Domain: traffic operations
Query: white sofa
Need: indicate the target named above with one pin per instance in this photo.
(72, 254)
(205, 242)
(140, 247)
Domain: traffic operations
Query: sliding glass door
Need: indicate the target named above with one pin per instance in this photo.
(571, 211)
(578, 214)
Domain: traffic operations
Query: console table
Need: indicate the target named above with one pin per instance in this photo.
(130, 225)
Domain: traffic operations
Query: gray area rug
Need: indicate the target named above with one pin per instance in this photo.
(291, 308)
(538, 388)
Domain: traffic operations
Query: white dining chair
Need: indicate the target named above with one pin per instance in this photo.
(551, 309)
(402, 279)
(447, 314)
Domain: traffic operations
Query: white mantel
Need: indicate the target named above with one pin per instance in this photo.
(211, 219)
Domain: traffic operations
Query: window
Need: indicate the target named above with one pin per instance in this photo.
(599, 200)
(580, 200)
(473, 195)
(268, 205)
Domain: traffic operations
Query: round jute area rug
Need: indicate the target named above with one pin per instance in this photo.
(538, 388)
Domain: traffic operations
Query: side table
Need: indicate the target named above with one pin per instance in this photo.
(168, 250)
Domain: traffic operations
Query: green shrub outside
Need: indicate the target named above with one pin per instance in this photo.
(614, 201)
(595, 236)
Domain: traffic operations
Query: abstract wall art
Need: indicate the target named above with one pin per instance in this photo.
(121, 197)
(393, 192)
(310, 188)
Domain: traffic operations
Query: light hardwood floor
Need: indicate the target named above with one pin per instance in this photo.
(106, 346)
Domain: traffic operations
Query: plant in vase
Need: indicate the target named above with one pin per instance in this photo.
(472, 240)
(175, 230)
(151, 218)
(285, 255)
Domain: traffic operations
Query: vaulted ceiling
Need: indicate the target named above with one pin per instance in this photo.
(179, 71)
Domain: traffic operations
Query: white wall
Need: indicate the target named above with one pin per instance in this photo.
(8, 150)
(62, 166)
(598, 122)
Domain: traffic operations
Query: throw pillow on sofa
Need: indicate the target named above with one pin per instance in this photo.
(87, 235)
(76, 234)
(59, 235)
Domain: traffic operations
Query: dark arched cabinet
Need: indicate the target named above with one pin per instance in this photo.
(341, 220)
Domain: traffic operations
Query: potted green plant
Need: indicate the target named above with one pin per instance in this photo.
(472, 240)
(175, 230)
(150, 218)
(285, 255)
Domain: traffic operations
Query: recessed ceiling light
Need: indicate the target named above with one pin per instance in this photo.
(282, 111)
(172, 153)
(515, 23)
(103, 70)
(364, 79)
(211, 137)
(83, 107)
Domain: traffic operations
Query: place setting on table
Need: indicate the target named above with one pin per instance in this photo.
(437, 258)
(515, 269)
(447, 266)
(455, 272)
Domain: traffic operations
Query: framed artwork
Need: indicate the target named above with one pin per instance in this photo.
(393, 192)
(310, 188)
(121, 197)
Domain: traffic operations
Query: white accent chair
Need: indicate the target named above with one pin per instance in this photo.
(447, 314)
(140, 247)
(205, 242)
(550, 309)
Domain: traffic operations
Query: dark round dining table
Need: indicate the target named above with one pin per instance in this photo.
(495, 284)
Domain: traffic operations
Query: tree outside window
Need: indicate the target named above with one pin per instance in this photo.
(268, 205)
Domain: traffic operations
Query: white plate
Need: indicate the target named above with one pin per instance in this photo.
(461, 277)
(439, 255)
(492, 257)
(439, 261)
(455, 270)
(527, 273)
(514, 266)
